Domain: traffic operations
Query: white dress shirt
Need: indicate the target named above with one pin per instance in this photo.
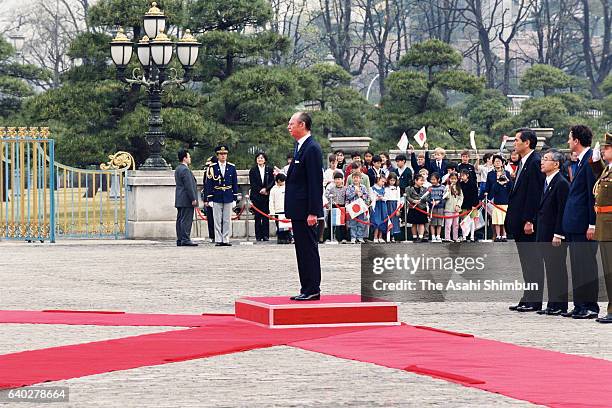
(262, 173)
(301, 141)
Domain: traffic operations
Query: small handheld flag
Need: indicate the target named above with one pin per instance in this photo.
(403, 143)
(421, 137)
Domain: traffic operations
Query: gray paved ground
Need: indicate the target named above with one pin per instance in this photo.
(158, 277)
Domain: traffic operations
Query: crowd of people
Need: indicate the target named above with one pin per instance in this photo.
(414, 197)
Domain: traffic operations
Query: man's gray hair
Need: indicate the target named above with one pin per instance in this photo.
(557, 156)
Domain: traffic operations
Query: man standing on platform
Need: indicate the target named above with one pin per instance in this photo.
(304, 204)
(222, 190)
(602, 167)
(520, 219)
(579, 228)
(185, 199)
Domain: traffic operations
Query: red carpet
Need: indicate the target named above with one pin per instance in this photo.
(530, 374)
(106, 318)
(227, 336)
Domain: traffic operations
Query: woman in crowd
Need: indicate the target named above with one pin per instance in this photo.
(261, 178)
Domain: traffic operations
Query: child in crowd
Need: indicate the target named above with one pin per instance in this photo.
(513, 164)
(466, 165)
(498, 191)
(367, 159)
(417, 197)
(436, 202)
(336, 193)
(341, 160)
(482, 170)
(425, 173)
(379, 209)
(452, 206)
(392, 197)
(469, 188)
(328, 174)
(451, 168)
(277, 208)
(439, 163)
(354, 192)
(375, 171)
(387, 166)
(354, 168)
(420, 161)
(286, 167)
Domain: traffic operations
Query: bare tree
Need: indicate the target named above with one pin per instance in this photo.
(511, 25)
(291, 19)
(596, 54)
(441, 18)
(483, 16)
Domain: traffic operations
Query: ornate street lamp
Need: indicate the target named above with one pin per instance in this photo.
(154, 52)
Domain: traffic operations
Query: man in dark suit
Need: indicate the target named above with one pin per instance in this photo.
(579, 228)
(550, 235)
(304, 204)
(185, 199)
(520, 219)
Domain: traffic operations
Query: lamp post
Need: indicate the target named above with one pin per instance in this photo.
(154, 51)
(17, 41)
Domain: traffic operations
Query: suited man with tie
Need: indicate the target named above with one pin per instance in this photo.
(304, 204)
(523, 205)
(602, 167)
(185, 199)
(579, 227)
(549, 233)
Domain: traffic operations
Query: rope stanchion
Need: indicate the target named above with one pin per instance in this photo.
(202, 217)
(498, 207)
(268, 215)
(463, 214)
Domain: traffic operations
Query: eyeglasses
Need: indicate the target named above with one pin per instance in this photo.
(552, 160)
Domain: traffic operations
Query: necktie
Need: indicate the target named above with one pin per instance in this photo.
(545, 188)
(295, 151)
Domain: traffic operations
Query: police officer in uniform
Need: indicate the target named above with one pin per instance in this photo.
(210, 218)
(602, 168)
(222, 190)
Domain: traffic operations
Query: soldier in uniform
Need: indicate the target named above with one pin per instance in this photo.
(222, 190)
(208, 210)
(602, 168)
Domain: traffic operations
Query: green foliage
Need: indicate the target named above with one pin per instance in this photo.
(545, 78)
(227, 15)
(606, 86)
(128, 13)
(431, 54)
(485, 109)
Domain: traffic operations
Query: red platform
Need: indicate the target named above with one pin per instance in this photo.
(330, 311)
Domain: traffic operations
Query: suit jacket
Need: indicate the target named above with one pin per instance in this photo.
(579, 208)
(405, 180)
(372, 175)
(525, 196)
(304, 185)
(441, 170)
(222, 188)
(603, 198)
(549, 219)
(257, 184)
(186, 187)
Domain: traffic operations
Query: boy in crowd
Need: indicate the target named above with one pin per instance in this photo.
(451, 168)
(341, 160)
(420, 161)
(354, 168)
(375, 171)
(466, 165)
(336, 193)
(328, 174)
(404, 174)
(439, 164)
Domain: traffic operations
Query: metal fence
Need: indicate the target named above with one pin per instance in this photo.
(44, 200)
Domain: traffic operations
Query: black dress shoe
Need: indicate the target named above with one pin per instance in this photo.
(585, 314)
(515, 307)
(219, 244)
(569, 313)
(529, 308)
(606, 319)
(542, 311)
(265, 239)
(555, 312)
(302, 297)
(179, 244)
(226, 244)
(190, 243)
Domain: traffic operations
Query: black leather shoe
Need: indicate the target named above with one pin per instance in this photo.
(179, 244)
(219, 244)
(585, 314)
(303, 297)
(570, 313)
(555, 312)
(542, 311)
(226, 244)
(190, 243)
(529, 308)
(515, 308)
(606, 319)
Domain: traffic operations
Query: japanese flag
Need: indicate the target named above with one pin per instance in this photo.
(356, 208)
(403, 143)
(466, 225)
(421, 136)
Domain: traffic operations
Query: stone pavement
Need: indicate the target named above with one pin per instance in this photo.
(157, 277)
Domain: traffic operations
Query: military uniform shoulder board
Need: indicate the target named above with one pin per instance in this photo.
(210, 173)
(231, 164)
